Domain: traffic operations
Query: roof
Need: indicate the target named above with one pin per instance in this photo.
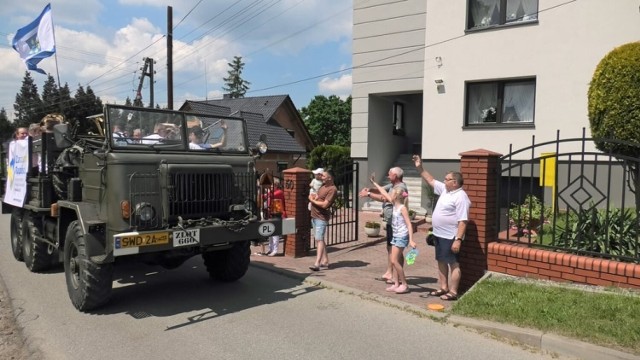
(278, 138)
(265, 105)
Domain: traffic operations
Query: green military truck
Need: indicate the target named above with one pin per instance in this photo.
(135, 184)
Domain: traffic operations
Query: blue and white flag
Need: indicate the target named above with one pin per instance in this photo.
(35, 41)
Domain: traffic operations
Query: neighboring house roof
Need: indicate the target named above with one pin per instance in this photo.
(278, 138)
(265, 105)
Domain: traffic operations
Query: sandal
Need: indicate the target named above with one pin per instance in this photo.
(438, 292)
(314, 268)
(449, 296)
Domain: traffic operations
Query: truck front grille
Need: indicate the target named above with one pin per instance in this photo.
(198, 191)
(193, 195)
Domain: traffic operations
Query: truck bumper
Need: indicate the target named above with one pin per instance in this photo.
(131, 243)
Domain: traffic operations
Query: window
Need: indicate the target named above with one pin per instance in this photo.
(486, 13)
(282, 166)
(509, 102)
(398, 118)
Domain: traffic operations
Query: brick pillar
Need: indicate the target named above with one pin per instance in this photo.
(296, 195)
(479, 170)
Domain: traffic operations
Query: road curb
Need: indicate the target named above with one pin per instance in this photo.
(549, 343)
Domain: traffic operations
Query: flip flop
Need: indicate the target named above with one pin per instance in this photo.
(438, 292)
(385, 279)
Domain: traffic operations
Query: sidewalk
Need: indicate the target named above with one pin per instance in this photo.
(358, 264)
(355, 267)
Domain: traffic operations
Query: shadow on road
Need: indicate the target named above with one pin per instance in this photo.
(143, 291)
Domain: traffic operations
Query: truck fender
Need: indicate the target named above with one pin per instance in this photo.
(93, 228)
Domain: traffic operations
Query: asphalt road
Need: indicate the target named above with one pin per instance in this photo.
(181, 314)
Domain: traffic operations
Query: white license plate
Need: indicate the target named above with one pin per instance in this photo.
(186, 237)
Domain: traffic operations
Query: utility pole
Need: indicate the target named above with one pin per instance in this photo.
(147, 70)
(169, 57)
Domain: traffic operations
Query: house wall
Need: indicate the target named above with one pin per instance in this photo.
(269, 162)
(289, 119)
(388, 41)
(561, 50)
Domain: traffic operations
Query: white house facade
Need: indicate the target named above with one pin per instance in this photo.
(441, 77)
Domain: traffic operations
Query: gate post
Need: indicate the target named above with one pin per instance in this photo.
(296, 197)
(479, 170)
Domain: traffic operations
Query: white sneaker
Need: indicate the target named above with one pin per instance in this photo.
(273, 253)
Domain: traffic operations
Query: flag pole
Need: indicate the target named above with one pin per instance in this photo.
(55, 54)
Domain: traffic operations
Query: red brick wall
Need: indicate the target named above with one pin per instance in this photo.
(296, 191)
(480, 251)
(543, 264)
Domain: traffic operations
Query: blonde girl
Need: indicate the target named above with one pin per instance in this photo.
(402, 235)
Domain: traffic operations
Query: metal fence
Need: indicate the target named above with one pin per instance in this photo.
(343, 226)
(560, 195)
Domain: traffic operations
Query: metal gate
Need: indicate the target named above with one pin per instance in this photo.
(343, 226)
(559, 195)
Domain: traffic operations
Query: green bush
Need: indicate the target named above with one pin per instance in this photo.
(614, 100)
(526, 216)
(611, 232)
(372, 225)
(336, 158)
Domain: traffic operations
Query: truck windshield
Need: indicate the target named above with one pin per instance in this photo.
(154, 129)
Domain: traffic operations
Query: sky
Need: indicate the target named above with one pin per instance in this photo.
(301, 48)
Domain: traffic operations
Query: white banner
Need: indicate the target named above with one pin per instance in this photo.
(18, 166)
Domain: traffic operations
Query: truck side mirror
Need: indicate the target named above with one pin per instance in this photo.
(61, 136)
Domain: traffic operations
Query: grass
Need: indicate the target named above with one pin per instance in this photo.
(608, 318)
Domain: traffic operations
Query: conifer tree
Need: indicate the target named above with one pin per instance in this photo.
(6, 128)
(235, 85)
(28, 105)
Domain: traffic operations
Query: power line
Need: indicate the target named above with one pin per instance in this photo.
(332, 72)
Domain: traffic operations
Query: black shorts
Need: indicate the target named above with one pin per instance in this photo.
(443, 251)
(389, 229)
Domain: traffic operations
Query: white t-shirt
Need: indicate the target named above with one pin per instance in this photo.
(451, 208)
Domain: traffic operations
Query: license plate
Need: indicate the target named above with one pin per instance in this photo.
(186, 237)
(139, 240)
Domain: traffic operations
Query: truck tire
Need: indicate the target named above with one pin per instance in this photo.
(228, 265)
(89, 284)
(16, 234)
(34, 252)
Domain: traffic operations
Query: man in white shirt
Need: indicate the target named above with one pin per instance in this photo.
(449, 222)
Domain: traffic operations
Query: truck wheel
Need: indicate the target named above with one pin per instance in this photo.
(89, 284)
(16, 234)
(34, 252)
(228, 265)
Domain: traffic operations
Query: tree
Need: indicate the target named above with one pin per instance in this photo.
(85, 103)
(28, 105)
(328, 120)
(6, 128)
(614, 107)
(235, 85)
(50, 97)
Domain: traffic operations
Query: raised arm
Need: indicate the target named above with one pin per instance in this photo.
(385, 195)
(423, 173)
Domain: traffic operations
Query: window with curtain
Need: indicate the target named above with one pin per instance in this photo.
(487, 13)
(508, 102)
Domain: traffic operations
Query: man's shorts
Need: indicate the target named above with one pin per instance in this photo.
(400, 242)
(389, 230)
(320, 227)
(443, 251)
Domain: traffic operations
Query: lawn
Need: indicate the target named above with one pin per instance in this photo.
(610, 317)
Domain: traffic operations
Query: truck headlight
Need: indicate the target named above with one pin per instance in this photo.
(145, 212)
